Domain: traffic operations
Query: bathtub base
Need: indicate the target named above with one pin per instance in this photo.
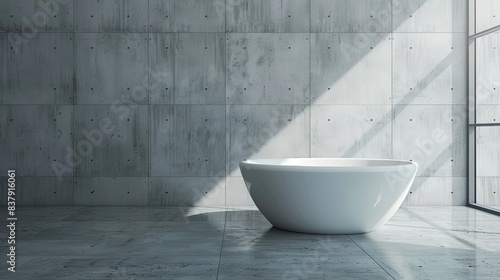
(328, 196)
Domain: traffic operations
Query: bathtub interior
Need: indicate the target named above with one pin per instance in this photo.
(328, 162)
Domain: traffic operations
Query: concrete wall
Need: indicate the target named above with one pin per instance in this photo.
(137, 102)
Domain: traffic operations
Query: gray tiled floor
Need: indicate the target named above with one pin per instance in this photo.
(238, 243)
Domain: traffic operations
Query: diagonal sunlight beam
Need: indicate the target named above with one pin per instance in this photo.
(409, 96)
(467, 243)
(277, 139)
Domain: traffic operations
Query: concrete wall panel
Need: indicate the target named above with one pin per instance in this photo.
(430, 68)
(111, 191)
(36, 139)
(111, 68)
(434, 136)
(350, 16)
(430, 15)
(187, 191)
(186, 16)
(39, 71)
(267, 68)
(111, 140)
(437, 191)
(188, 140)
(351, 68)
(265, 131)
(351, 131)
(36, 16)
(267, 16)
(111, 16)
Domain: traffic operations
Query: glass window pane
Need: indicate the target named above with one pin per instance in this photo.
(488, 166)
(487, 14)
(488, 78)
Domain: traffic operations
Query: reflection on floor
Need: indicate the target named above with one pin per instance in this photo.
(237, 243)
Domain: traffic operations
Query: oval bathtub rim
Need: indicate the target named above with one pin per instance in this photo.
(254, 164)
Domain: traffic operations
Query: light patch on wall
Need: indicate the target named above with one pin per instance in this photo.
(357, 66)
(285, 134)
(214, 192)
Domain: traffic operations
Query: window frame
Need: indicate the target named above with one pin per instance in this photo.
(472, 125)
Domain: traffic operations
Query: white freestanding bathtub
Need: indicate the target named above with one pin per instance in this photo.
(328, 195)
